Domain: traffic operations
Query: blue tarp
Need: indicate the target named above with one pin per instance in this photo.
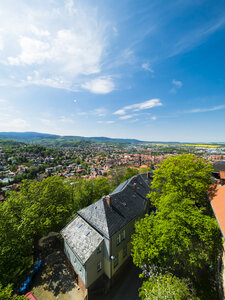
(28, 280)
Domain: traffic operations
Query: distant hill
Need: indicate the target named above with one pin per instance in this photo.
(61, 141)
(9, 142)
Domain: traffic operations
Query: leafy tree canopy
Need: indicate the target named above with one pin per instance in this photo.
(185, 175)
(166, 287)
(179, 237)
(6, 293)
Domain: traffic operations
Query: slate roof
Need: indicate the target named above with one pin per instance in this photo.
(219, 166)
(81, 244)
(126, 204)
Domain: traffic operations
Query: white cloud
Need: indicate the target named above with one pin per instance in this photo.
(62, 42)
(177, 84)
(200, 110)
(126, 117)
(106, 122)
(147, 67)
(19, 124)
(1, 43)
(7, 123)
(82, 113)
(153, 118)
(139, 106)
(3, 101)
(39, 32)
(120, 112)
(101, 85)
(64, 119)
(100, 112)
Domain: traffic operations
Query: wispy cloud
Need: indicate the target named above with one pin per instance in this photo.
(197, 36)
(101, 85)
(99, 112)
(147, 67)
(202, 110)
(106, 122)
(126, 117)
(177, 84)
(62, 42)
(139, 106)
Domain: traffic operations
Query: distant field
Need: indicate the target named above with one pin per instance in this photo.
(204, 145)
(186, 145)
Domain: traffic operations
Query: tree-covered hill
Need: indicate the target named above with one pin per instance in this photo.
(61, 141)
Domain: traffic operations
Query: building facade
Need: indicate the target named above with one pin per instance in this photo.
(97, 242)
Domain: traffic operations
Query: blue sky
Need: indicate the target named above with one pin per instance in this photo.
(151, 70)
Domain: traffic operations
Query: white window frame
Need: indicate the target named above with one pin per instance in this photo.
(118, 239)
(99, 266)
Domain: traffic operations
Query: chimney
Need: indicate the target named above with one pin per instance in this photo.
(135, 187)
(108, 200)
(148, 174)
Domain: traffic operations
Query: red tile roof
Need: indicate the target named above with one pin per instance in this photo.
(217, 198)
(222, 174)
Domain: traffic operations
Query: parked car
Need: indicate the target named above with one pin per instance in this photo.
(30, 296)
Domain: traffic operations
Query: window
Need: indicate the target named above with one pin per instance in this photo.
(118, 239)
(116, 261)
(123, 235)
(125, 251)
(99, 266)
(99, 249)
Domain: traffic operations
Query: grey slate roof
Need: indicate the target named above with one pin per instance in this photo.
(125, 206)
(81, 244)
(219, 166)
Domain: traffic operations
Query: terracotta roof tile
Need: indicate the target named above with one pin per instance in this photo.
(217, 198)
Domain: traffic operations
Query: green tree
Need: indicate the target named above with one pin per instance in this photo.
(166, 287)
(6, 293)
(130, 172)
(39, 207)
(186, 175)
(179, 238)
(88, 191)
(181, 235)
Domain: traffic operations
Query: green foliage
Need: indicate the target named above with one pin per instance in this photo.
(165, 287)
(39, 207)
(178, 237)
(88, 191)
(185, 175)
(119, 175)
(181, 235)
(130, 172)
(6, 293)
